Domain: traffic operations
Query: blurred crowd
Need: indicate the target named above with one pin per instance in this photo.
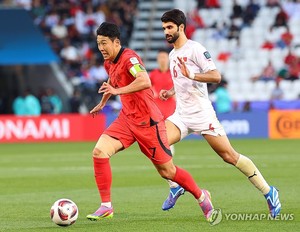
(27, 104)
(242, 16)
(70, 27)
(279, 37)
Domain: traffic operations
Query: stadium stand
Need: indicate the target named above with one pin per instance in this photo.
(243, 36)
(147, 37)
(69, 27)
(235, 42)
(252, 57)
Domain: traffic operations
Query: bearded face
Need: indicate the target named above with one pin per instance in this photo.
(172, 38)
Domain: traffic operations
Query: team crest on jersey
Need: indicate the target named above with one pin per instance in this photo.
(134, 60)
(207, 55)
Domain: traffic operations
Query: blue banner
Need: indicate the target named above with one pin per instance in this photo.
(236, 125)
(245, 125)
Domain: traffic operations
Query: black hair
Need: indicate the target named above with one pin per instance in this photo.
(175, 16)
(109, 30)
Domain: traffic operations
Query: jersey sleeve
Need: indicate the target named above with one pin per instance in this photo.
(204, 59)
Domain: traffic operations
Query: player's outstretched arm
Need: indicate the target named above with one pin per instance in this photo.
(212, 76)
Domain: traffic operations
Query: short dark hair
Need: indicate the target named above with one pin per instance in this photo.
(175, 16)
(109, 30)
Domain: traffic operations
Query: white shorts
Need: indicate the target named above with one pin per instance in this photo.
(199, 123)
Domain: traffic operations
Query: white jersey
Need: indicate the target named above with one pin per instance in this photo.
(191, 96)
(194, 112)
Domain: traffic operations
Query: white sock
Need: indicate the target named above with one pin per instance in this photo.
(246, 166)
(172, 184)
(106, 204)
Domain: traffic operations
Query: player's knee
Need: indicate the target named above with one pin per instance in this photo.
(166, 170)
(98, 153)
(106, 147)
(167, 173)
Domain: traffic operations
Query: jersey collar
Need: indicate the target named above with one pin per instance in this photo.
(118, 56)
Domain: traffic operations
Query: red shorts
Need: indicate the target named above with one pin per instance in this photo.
(152, 140)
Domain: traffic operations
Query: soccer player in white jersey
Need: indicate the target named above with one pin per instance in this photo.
(192, 68)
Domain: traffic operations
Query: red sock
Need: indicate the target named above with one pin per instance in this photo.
(103, 177)
(185, 180)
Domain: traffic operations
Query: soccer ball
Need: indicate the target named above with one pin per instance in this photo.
(64, 212)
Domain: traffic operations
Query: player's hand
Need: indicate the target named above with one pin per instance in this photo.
(97, 109)
(107, 89)
(163, 95)
(184, 70)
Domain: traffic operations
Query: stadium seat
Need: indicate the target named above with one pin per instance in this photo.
(252, 58)
(270, 85)
(290, 95)
(286, 85)
(296, 88)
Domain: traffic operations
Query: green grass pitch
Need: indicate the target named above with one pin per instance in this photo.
(33, 176)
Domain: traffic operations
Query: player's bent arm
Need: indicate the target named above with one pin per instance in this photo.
(142, 81)
(100, 105)
(212, 76)
(166, 94)
(171, 92)
(105, 97)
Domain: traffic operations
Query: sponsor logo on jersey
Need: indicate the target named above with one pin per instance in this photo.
(134, 60)
(207, 55)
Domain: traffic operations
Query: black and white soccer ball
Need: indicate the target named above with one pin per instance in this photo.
(64, 212)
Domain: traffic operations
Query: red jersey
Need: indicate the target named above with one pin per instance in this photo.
(138, 107)
(163, 80)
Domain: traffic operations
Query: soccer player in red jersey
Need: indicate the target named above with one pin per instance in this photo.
(139, 121)
(161, 79)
